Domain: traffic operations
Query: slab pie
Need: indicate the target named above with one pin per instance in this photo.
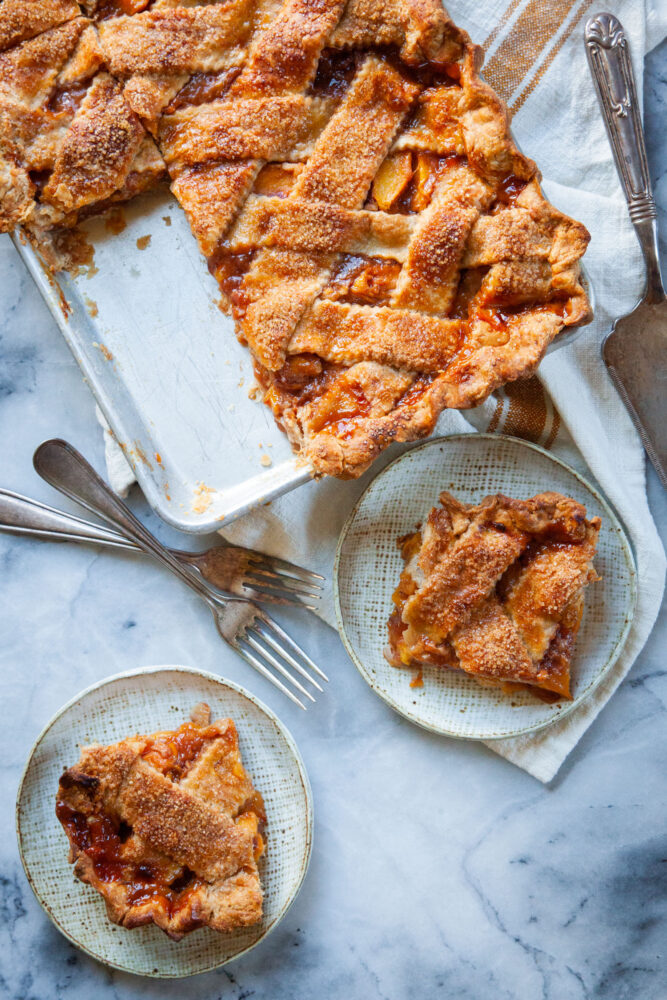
(167, 828)
(384, 248)
(496, 590)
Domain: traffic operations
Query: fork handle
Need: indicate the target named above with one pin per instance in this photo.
(609, 61)
(64, 468)
(24, 516)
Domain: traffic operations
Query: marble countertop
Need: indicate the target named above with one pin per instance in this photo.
(467, 877)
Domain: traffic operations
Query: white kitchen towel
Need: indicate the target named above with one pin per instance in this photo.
(535, 59)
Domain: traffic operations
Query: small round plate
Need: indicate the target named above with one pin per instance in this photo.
(368, 565)
(143, 701)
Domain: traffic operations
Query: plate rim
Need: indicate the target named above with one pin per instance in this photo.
(303, 774)
(619, 645)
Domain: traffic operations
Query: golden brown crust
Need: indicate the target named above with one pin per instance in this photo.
(166, 828)
(496, 590)
(96, 156)
(175, 40)
(484, 215)
(69, 141)
(404, 230)
(24, 19)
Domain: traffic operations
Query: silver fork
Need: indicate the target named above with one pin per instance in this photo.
(250, 631)
(226, 567)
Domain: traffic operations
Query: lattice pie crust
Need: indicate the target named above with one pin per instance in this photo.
(496, 590)
(384, 248)
(167, 828)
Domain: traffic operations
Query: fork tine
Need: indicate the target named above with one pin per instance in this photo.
(271, 624)
(259, 666)
(291, 581)
(252, 641)
(268, 638)
(272, 564)
(282, 583)
(261, 595)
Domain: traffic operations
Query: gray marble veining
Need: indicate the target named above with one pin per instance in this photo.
(453, 875)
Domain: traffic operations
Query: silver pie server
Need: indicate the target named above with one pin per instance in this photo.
(635, 351)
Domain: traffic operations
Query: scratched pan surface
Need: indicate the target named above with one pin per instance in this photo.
(167, 370)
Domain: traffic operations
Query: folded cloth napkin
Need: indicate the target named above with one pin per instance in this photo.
(536, 61)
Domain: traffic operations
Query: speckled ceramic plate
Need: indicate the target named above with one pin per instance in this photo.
(143, 701)
(368, 565)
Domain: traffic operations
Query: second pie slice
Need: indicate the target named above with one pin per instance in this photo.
(166, 828)
(496, 590)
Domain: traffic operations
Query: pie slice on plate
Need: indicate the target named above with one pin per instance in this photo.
(496, 590)
(167, 828)
(384, 248)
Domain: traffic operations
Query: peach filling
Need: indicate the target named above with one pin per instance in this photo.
(275, 180)
(364, 280)
(202, 88)
(406, 180)
(112, 8)
(431, 652)
(68, 100)
(100, 839)
(335, 71)
(229, 268)
(171, 753)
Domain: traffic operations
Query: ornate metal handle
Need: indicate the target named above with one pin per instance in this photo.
(609, 60)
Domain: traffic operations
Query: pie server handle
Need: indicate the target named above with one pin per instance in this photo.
(609, 61)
